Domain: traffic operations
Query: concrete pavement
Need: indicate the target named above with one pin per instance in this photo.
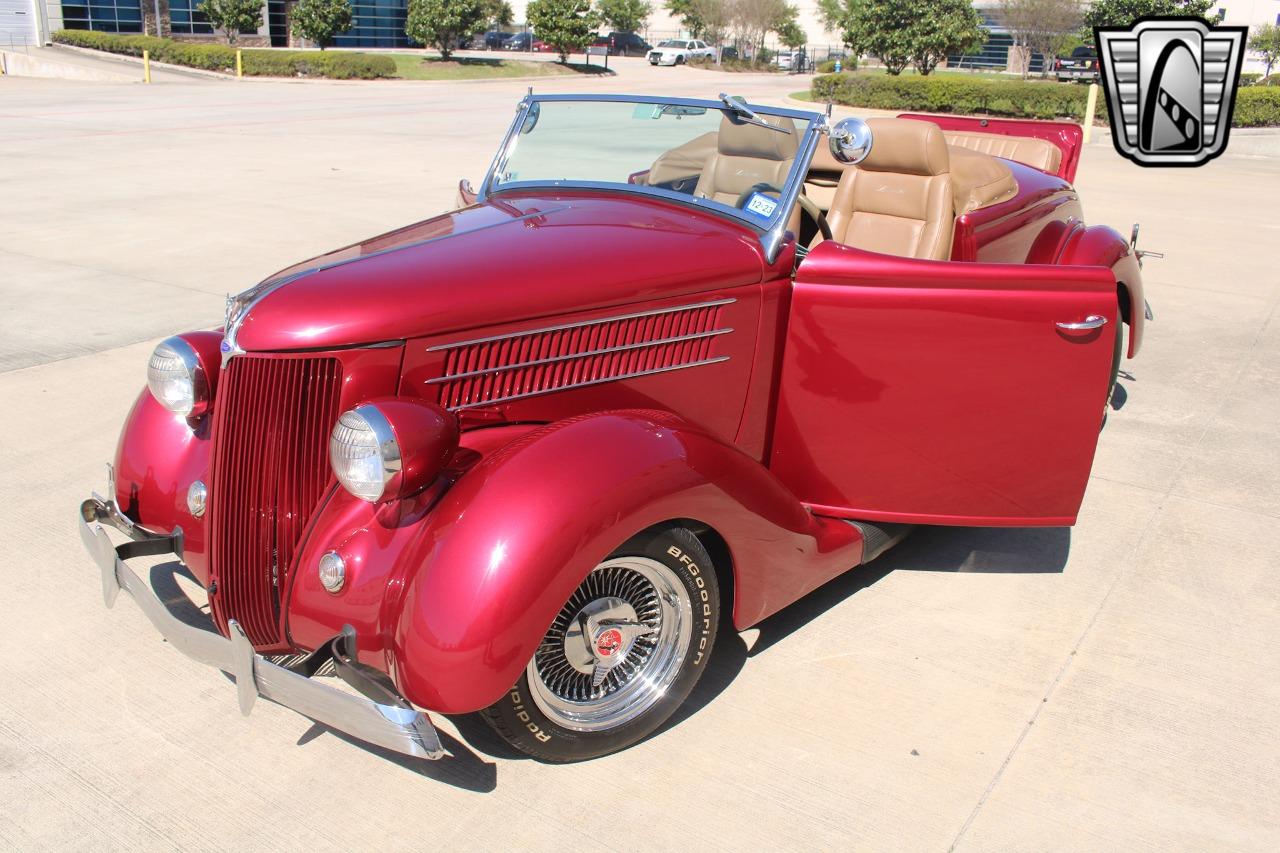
(1104, 688)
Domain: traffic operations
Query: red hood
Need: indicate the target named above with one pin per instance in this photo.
(510, 259)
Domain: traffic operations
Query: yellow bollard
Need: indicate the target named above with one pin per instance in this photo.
(239, 65)
(146, 66)
(1090, 107)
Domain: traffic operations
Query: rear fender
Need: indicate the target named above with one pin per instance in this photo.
(1100, 245)
(469, 580)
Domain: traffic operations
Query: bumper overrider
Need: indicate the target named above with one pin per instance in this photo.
(380, 716)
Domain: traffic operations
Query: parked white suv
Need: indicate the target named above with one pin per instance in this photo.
(680, 51)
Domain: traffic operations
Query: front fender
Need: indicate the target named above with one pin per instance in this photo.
(159, 455)
(471, 579)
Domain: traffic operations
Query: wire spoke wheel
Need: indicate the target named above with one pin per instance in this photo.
(615, 648)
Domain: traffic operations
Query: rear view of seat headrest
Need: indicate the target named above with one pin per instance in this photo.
(739, 139)
(906, 147)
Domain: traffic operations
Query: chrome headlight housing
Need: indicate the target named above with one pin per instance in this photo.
(391, 448)
(177, 378)
(364, 452)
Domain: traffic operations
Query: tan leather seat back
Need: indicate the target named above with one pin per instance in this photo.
(1037, 153)
(898, 201)
(747, 155)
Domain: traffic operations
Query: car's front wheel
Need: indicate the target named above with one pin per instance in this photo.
(621, 655)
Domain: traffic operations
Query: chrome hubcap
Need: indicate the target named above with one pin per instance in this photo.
(615, 648)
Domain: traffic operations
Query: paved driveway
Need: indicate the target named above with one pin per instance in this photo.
(1109, 687)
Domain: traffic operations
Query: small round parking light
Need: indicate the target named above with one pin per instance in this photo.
(333, 571)
(197, 497)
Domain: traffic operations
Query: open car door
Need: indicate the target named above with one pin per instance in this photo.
(939, 392)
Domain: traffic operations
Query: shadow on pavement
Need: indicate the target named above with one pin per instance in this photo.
(1005, 550)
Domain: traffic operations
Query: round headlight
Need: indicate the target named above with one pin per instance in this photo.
(364, 452)
(391, 448)
(176, 378)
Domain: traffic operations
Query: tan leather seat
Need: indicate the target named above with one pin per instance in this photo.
(1037, 153)
(898, 201)
(747, 155)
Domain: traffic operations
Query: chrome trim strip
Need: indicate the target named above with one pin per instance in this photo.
(618, 378)
(580, 323)
(693, 336)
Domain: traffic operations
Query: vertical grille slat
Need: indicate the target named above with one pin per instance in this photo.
(272, 419)
(525, 364)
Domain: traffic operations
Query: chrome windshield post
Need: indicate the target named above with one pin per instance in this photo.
(508, 142)
(773, 239)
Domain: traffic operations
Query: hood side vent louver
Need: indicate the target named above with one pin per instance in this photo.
(509, 367)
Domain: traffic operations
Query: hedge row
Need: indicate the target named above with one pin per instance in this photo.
(219, 57)
(1256, 106)
(953, 93)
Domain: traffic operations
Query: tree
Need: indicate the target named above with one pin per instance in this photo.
(1043, 26)
(441, 23)
(497, 13)
(233, 16)
(752, 20)
(788, 28)
(942, 27)
(566, 25)
(625, 16)
(1122, 13)
(905, 32)
(321, 20)
(686, 11)
(1265, 42)
(790, 34)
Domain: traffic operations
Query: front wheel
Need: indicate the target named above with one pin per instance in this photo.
(621, 655)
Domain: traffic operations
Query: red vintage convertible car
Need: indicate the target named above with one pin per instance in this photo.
(674, 365)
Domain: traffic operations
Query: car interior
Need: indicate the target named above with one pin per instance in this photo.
(902, 199)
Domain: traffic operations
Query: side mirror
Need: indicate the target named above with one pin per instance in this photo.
(531, 119)
(850, 140)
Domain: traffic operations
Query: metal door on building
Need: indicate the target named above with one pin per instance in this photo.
(17, 23)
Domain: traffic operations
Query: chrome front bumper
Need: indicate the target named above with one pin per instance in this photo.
(392, 723)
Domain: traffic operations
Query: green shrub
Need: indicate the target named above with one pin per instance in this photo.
(1250, 78)
(220, 57)
(1257, 106)
(727, 64)
(954, 93)
(829, 66)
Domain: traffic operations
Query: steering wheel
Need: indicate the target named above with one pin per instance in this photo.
(806, 204)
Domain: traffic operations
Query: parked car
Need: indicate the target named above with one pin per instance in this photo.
(526, 42)
(790, 60)
(680, 51)
(496, 39)
(627, 44)
(539, 490)
(1081, 65)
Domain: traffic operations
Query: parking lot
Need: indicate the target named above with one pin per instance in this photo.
(1106, 687)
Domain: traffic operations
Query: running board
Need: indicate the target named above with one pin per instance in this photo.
(878, 538)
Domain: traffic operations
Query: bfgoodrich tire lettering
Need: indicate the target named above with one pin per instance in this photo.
(662, 588)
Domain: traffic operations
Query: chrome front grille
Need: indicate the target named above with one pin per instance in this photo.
(272, 418)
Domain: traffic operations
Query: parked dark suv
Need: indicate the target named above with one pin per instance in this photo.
(627, 44)
(496, 39)
(1081, 65)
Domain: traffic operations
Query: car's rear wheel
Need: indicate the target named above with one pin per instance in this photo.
(620, 656)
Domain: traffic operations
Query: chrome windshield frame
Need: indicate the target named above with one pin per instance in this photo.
(772, 235)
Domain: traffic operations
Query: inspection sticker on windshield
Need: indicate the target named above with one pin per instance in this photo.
(761, 205)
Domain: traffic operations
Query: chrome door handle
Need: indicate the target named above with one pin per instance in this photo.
(1093, 321)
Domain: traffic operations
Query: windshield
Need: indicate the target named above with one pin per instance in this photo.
(689, 151)
(674, 44)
